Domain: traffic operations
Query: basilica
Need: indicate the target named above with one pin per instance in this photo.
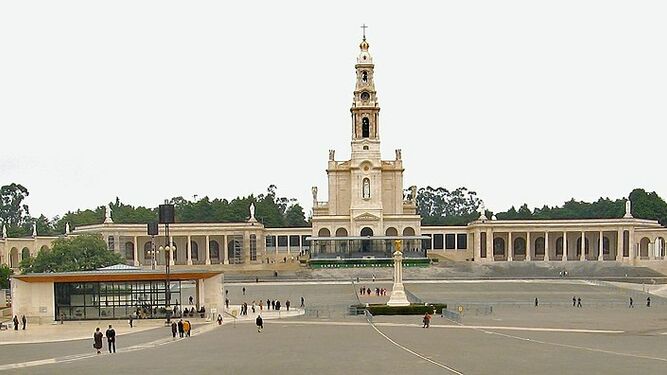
(366, 215)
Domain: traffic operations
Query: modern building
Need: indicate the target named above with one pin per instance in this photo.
(365, 213)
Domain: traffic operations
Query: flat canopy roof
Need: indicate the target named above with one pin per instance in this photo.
(92, 276)
(368, 238)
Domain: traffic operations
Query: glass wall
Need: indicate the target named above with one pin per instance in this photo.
(113, 300)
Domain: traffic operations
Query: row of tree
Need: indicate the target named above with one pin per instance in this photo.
(270, 209)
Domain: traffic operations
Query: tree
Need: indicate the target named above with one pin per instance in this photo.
(5, 272)
(13, 213)
(648, 206)
(295, 217)
(439, 206)
(80, 253)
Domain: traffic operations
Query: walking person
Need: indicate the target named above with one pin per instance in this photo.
(579, 302)
(426, 320)
(187, 327)
(219, 319)
(303, 302)
(631, 303)
(268, 304)
(260, 323)
(131, 321)
(23, 321)
(227, 303)
(16, 323)
(174, 329)
(574, 301)
(97, 340)
(243, 291)
(287, 303)
(648, 301)
(111, 339)
(278, 305)
(180, 328)
(536, 302)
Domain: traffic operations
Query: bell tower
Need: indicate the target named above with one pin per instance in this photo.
(365, 108)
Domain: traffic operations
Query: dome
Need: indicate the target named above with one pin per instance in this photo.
(364, 45)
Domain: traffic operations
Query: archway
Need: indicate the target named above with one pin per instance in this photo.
(408, 231)
(194, 250)
(148, 248)
(391, 232)
(234, 251)
(539, 247)
(366, 244)
(519, 249)
(342, 245)
(25, 253)
(643, 247)
(14, 258)
(365, 128)
(660, 249)
(499, 247)
(559, 247)
(324, 232)
(44, 248)
(214, 248)
(606, 246)
(579, 247)
(129, 250)
(341, 232)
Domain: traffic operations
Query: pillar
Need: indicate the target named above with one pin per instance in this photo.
(619, 245)
(527, 246)
(246, 247)
(171, 253)
(208, 250)
(582, 257)
(136, 251)
(601, 247)
(631, 243)
(489, 245)
(564, 255)
(188, 249)
(510, 248)
(546, 246)
(651, 250)
(477, 246)
(288, 245)
(225, 250)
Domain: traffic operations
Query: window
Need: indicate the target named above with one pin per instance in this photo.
(438, 243)
(282, 241)
(214, 248)
(365, 128)
(111, 242)
(450, 241)
(270, 241)
(364, 76)
(461, 241)
(253, 247)
(294, 241)
(194, 250)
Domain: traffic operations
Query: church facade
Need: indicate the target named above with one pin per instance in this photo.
(367, 214)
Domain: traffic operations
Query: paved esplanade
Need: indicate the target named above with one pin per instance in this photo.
(604, 336)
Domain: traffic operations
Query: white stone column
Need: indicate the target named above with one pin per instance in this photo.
(564, 255)
(477, 245)
(136, 251)
(171, 253)
(288, 246)
(489, 245)
(601, 247)
(631, 242)
(188, 250)
(619, 245)
(651, 250)
(225, 250)
(582, 257)
(528, 257)
(208, 250)
(510, 248)
(546, 246)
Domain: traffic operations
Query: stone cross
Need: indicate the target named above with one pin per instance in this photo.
(363, 30)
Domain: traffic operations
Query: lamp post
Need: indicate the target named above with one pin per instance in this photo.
(166, 217)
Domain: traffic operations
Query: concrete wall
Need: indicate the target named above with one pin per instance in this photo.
(213, 294)
(34, 300)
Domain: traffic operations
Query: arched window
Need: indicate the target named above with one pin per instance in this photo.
(324, 232)
(391, 232)
(365, 128)
(364, 76)
(129, 250)
(214, 247)
(579, 246)
(174, 250)
(148, 247)
(194, 250)
(499, 246)
(341, 232)
(605, 245)
(366, 232)
(559, 246)
(539, 246)
(14, 258)
(366, 189)
(25, 253)
(519, 246)
(408, 231)
(111, 242)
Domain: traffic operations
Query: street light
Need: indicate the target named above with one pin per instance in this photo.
(166, 217)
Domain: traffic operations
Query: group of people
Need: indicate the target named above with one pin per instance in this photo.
(24, 321)
(111, 339)
(367, 291)
(632, 304)
(183, 328)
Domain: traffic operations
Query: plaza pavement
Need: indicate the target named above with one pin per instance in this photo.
(604, 336)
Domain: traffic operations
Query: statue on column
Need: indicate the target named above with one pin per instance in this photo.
(34, 230)
(107, 214)
(482, 211)
(332, 154)
(252, 213)
(4, 231)
(628, 210)
(314, 191)
(67, 231)
(413, 193)
(398, 154)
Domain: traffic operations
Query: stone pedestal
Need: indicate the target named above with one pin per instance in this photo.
(398, 297)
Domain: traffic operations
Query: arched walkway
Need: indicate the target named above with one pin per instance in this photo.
(499, 248)
(148, 257)
(14, 258)
(660, 247)
(391, 232)
(366, 244)
(559, 247)
(519, 249)
(214, 248)
(579, 247)
(194, 250)
(324, 232)
(408, 231)
(129, 250)
(539, 248)
(25, 253)
(643, 247)
(341, 232)
(234, 252)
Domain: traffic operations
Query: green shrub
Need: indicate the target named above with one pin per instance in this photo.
(413, 309)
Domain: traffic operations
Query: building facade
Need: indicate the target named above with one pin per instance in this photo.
(366, 203)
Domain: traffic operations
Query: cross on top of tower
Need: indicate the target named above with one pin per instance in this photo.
(363, 30)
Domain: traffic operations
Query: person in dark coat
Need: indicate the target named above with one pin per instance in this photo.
(648, 301)
(631, 303)
(16, 323)
(23, 321)
(111, 339)
(273, 305)
(579, 302)
(303, 302)
(174, 329)
(574, 301)
(97, 339)
(260, 323)
(287, 303)
(219, 319)
(268, 304)
(180, 328)
(277, 305)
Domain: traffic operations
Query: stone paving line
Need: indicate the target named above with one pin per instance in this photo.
(201, 328)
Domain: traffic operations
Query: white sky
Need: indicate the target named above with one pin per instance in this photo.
(521, 101)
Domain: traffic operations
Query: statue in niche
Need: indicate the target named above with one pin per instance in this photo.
(367, 188)
(398, 154)
(314, 191)
(332, 154)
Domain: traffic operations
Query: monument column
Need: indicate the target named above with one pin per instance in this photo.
(601, 247)
(188, 249)
(510, 248)
(527, 245)
(136, 252)
(564, 246)
(546, 246)
(208, 250)
(582, 257)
